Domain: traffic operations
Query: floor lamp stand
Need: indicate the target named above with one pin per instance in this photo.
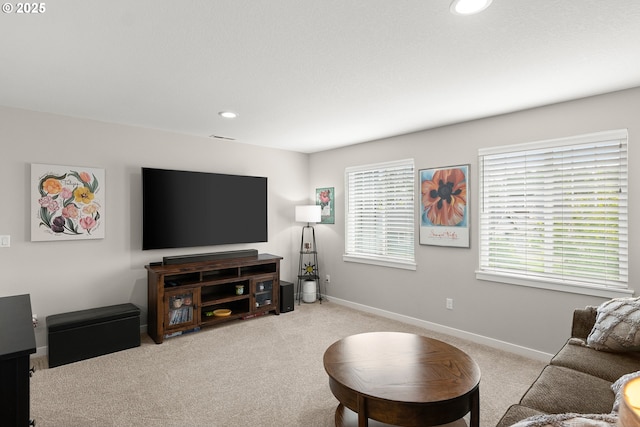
(308, 264)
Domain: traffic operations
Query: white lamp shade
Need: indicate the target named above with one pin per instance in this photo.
(308, 213)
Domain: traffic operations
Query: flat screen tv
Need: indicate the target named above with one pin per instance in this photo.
(187, 209)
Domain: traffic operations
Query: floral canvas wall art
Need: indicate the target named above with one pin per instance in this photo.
(67, 203)
(325, 197)
(444, 209)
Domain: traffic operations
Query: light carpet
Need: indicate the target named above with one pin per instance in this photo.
(266, 371)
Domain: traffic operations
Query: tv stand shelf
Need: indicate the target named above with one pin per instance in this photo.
(183, 297)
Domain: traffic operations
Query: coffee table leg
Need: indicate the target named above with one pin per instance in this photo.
(474, 420)
(363, 420)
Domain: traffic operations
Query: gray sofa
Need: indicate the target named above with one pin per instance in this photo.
(577, 380)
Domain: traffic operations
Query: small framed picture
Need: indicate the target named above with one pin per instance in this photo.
(325, 197)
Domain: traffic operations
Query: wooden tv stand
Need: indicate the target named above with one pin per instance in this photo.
(183, 297)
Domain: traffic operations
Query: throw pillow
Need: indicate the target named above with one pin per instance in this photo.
(618, 386)
(617, 326)
(569, 420)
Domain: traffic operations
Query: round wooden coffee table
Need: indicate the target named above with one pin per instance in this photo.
(401, 379)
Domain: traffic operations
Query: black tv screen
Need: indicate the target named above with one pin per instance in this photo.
(187, 209)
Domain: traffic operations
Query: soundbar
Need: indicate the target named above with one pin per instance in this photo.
(213, 256)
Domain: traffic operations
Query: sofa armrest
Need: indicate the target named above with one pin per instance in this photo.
(583, 321)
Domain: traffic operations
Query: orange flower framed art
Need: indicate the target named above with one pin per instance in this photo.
(444, 209)
(67, 203)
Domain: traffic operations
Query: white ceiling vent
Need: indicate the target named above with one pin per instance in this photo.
(226, 138)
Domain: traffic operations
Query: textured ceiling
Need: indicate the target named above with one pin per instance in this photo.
(311, 75)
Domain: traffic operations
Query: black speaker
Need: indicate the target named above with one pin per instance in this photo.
(286, 296)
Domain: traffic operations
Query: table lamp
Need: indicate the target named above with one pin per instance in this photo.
(629, 411)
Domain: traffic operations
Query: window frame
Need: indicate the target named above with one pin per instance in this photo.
(612, 289)
(351, 254)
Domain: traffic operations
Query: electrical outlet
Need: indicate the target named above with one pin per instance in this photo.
(327, 279)
(34, 319)
(5, 241)
(449, 303)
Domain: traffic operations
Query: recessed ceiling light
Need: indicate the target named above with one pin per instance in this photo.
(228, 114)
(469, 7)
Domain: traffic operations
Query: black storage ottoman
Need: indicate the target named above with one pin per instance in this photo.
(83, 334)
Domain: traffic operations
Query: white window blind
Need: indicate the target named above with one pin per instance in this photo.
(556, 211)
(380, 214)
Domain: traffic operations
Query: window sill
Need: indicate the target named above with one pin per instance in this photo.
(598, 291)
(406, 265)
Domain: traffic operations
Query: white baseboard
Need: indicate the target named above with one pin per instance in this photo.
(40, 351)
(480, 339)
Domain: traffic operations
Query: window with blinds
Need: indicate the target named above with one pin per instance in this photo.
(380, 212)
(555, 213)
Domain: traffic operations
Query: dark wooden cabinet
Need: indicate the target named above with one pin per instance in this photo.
(184, 297)
(17, 343)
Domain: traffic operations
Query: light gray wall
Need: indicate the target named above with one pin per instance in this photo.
(74, 275)
(532, 318)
